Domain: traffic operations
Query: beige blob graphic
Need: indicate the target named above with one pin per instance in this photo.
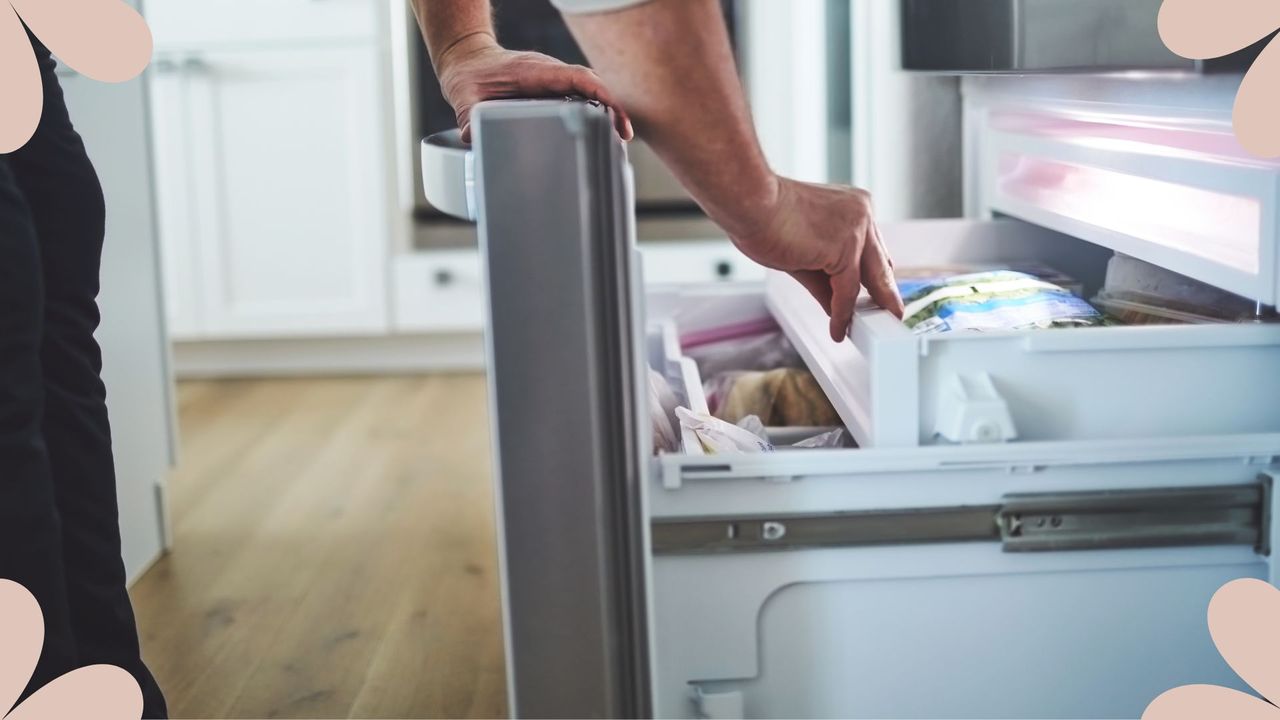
(102, 39)
(1204, 29)
(95, 691)
(1244, 620)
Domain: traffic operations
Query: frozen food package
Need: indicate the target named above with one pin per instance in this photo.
(780, 397)
(718, 437)
(994, 301)
(911, 279)
(1137, 292)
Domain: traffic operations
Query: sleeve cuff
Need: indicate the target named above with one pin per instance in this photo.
(574, 7)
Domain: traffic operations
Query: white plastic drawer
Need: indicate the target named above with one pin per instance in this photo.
(183, 24)
(896, 389)
(1168, 186)
(439, 291)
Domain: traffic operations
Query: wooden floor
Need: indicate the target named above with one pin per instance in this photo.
(332, 553)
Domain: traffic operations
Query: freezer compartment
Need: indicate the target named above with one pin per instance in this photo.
(894, 388)
(885, 583)
(730, 330)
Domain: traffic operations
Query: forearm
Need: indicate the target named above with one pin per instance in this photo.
(671, 65)
(447, 25)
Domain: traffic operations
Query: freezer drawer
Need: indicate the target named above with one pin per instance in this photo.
(939, 581)
(1165, 183)
(896, 389)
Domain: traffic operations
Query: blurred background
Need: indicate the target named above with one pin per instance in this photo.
(293, 336)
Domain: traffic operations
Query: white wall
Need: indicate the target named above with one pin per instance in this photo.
(906, 127)
(784, 67)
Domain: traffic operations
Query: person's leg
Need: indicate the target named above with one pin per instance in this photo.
(30, 537)
(65, 198)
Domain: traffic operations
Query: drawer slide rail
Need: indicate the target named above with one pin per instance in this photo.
(1030, 522)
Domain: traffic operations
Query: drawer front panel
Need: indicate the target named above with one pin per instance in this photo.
(439, 291)
(1149, 169)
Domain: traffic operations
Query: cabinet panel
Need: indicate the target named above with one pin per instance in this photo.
(179, 233)
(288, 174)
(184, 23)
(439, 291)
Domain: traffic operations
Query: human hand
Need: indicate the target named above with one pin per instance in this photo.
(477, 69)
(826, 238)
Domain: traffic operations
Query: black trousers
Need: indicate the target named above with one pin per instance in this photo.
(59, 523)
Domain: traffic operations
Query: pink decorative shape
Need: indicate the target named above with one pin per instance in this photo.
(1244, 620)
(21, 94)
(1203, 29)
(104, 39)
(96, 691)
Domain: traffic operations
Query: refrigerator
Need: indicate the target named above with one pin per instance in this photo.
(1033, 523)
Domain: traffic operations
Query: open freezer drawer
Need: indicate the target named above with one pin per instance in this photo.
(943, 581)
(897, 389)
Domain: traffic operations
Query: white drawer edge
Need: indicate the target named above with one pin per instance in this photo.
(836, 366)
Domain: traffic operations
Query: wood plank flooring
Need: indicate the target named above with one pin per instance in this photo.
(333, 553)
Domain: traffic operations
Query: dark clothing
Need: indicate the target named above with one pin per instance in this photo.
(59, 522)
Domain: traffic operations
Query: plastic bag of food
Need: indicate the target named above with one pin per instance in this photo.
(830, 439)
(782, 397)
(760, 351)
(719, 437)
(994, 301)
(662, 413)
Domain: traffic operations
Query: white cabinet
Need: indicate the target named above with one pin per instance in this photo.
(184, 23)
(439, 291)
(273, 192)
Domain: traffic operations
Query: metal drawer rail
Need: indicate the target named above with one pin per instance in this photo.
(1222, 515)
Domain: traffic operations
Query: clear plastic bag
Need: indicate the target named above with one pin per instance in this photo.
(719, 437)
(837, 438)
(765, 351)
(662, 413)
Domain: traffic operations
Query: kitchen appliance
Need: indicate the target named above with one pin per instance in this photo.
(1019, 36)
(1034, 523)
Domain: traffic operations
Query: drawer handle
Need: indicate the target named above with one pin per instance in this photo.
(444, 278)
(724, 270)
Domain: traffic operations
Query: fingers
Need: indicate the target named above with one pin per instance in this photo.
(559, 79)
(845, 287)
(878, 274)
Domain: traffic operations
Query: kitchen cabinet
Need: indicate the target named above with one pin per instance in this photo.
(272, 188)
(182, 24)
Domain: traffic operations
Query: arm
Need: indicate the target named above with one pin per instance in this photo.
(472, 66)
(670, 62)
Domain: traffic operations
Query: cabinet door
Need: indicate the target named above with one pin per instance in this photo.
(289, 168)
(179, 233)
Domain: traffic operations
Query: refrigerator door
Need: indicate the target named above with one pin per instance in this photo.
(553, 197)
